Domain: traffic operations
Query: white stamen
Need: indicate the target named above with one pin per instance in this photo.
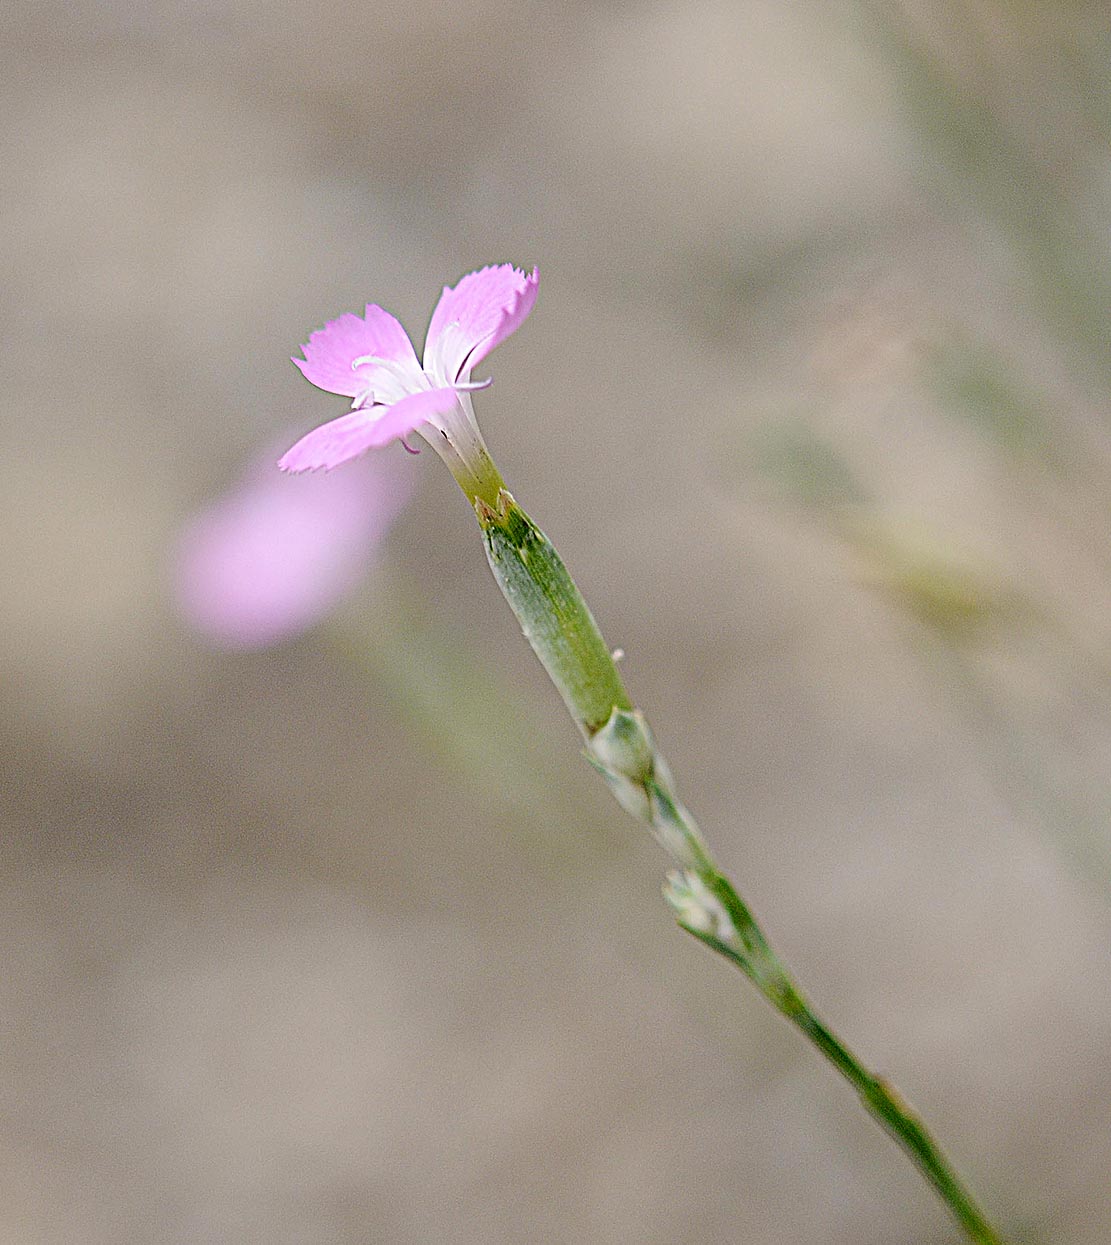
(399, 369)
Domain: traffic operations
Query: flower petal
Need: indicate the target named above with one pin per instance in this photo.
(333, 443)
(475, 316)
(410, 412)
(275, 555)
(355, 433)
(330, 351)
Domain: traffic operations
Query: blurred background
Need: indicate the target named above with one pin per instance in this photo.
(337, 939)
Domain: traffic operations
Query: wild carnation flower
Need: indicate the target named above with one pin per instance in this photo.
(371, 360)
(274, 556)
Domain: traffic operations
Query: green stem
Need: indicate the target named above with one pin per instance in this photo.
(562, 632)
(878, 1096)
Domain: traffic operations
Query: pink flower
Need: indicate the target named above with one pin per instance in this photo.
(371, 360)
(273, 556)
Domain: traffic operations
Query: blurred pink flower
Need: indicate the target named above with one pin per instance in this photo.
(273, 556)
(371, 360)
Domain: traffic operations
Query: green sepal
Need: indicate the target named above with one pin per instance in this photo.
(552, 613)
